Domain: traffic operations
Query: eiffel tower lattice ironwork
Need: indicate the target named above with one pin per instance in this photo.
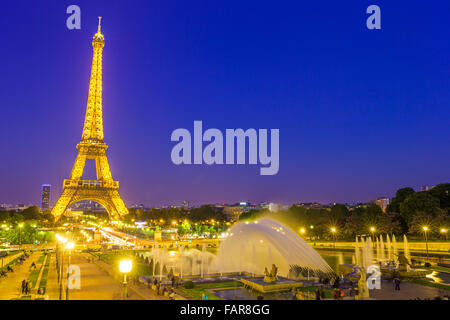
(104, 190)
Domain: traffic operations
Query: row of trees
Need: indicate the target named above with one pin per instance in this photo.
(409, 212)
(167, 215)
(32, 213)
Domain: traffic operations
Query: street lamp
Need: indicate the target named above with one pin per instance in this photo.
(62, 240)
(425, 229)
(69, 246)
(20, 235)
(444, 231)
(125, 267)
(333, 230)
(372, 230)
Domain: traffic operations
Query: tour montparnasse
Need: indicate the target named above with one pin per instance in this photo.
(104, 190)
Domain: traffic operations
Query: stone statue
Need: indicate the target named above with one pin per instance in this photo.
(272, 276)
(404, 263)
(363, 290)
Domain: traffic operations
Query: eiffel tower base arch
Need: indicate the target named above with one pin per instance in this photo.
(75, 191)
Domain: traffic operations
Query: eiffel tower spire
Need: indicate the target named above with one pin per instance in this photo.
(93, 123)
(104, 189)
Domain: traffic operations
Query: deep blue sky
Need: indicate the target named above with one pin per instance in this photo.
(361, 113)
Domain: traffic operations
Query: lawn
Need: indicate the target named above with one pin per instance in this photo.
(431, 284)
(328, 294)
(113, 257)
(196, 292)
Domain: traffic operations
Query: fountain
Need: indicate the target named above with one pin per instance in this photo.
(402, 263)
(268, 242)
(395, 252)
(244, 255)
(389, 252)
(406, 251)
(357, 253)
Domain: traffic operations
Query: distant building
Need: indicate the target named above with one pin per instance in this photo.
(45, 196)
(233, 211)
(383, 203)
(425, 188)
(185, 205)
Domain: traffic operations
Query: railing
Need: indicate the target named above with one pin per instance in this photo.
(91, 184)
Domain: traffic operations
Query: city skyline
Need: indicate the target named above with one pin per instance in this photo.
(359, 118)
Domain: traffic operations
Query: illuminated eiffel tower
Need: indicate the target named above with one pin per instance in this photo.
(104, 190)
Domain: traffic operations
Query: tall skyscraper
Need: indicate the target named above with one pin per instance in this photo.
(45, 196)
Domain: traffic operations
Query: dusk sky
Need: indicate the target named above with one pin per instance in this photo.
(361, 112)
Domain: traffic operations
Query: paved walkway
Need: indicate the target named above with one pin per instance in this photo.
(138, 289)
(407, 291)
(95, 283)
(10, 287)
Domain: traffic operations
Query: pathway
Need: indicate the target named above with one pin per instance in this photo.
(10, 287)
(407, 291)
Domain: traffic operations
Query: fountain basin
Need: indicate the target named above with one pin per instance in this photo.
(419, 273)
(282, 284)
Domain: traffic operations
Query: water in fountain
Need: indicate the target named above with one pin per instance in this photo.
(406, 251)
(272, 243)
(181, 251)
(341, 258)
(367, 253)
(388, 239)
(383, 255)
(184, 262)
(357, 252)
(378, 250)
(395, 251)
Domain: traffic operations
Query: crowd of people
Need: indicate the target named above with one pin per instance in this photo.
(165, 290)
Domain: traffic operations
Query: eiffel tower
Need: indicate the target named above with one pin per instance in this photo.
(104, 190)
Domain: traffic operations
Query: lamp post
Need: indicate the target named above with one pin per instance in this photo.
(333, 231)
(444, 231)
(425, 229)
(125, 267)
(62, 240)
(20, 235)
(69, 246)
(372, 230)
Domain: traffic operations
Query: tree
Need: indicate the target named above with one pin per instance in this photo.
(422, 202)
(400, 196)
(207, 212)
(442, 192)
(390, 223)
(418, 221)
(353, 226)
(371, 214)
(339, 212)
(32, 213)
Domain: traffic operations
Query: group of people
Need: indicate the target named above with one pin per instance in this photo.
(20, 260)
(164, 290)
(26, 287)
(338, 294)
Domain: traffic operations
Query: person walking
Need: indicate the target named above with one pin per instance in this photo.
(318, 294)
(397, 284)
(27, 287)
(23, 285)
